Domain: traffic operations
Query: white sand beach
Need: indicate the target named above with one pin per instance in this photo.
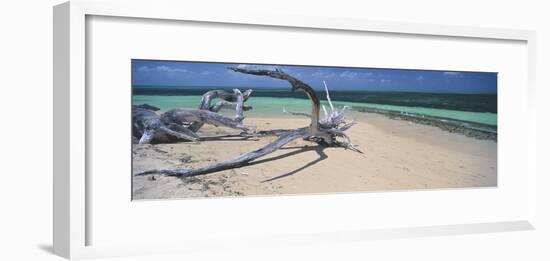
(397, 155)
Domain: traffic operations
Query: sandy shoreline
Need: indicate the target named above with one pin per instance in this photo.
(397, 155)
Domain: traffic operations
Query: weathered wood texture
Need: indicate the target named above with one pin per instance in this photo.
(183, 124)
(324, 132)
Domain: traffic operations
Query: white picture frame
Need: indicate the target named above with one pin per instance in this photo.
(71, 200)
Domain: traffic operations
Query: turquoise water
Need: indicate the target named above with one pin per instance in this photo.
(273, 106)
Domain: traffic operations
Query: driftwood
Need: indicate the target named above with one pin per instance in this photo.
(324, 132)
(147, 125)
(227, 103)
(182, 124)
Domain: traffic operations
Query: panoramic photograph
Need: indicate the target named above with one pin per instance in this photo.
(212, 129)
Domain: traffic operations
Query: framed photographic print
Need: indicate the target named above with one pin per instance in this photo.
(289, 129)
(423, 129)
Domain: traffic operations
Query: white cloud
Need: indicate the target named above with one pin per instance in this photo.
(420, 78)
(451, 73)
(161, 68)
(259, 67)
(348, 74)
(144, 69)
(384, 80)
(168, 69)
(323, 75)
(317, 74)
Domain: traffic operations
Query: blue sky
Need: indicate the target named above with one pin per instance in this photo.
(173, 73)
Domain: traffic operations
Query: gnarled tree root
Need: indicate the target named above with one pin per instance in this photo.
(227, 102)
(182, 124)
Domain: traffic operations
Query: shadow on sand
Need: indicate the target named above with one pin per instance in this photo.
(230, 137)
(319, 149)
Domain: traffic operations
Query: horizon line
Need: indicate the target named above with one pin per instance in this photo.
(315, 88)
